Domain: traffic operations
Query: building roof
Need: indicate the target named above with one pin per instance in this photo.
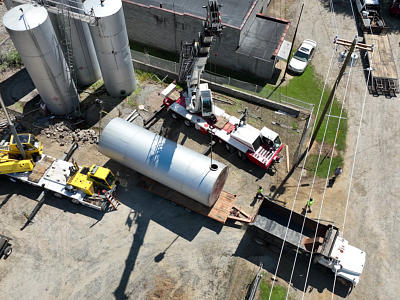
(264, 37)
(233, 12)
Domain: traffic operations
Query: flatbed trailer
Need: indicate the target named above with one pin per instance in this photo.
(271, 225)
(384, 78)
(223, 210)
(52, 174)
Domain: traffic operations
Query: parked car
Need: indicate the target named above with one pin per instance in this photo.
(5, 247)
(298, 63)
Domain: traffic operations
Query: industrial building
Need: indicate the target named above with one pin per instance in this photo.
(250, 40)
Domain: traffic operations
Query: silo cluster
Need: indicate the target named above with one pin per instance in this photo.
(72, 52)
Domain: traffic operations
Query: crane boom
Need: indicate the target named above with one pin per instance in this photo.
(193, 59)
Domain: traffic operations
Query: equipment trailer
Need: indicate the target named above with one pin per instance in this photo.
(54, 175)
(330, 249)
(223, 210)
(384, 79)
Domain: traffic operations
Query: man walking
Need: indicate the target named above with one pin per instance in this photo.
(260, 193)
(338, 171)
(309, 204)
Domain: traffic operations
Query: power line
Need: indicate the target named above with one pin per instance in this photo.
(326, 180)
(313, 183)
(300, 177)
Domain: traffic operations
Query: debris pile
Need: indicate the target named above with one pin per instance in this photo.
(63, 134)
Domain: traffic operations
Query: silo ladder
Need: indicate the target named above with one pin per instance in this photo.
(113, 201)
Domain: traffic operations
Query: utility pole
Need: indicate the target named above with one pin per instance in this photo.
(291, 48)
(12, 128)
(353, 46)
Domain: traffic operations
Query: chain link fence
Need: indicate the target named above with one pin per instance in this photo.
(248, 87)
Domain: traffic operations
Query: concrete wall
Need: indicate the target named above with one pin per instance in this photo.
(164, 29)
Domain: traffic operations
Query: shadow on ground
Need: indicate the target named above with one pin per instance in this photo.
(145, 208)
(16, 87)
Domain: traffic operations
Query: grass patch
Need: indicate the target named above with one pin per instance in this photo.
(143, 76)
(11, 59)
(308, 88)
(322, 171)
(95, 86)
(278, 292)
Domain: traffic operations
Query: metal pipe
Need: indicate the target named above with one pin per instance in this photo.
(164, 161)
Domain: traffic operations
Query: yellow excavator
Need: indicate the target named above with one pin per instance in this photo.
(11, 158)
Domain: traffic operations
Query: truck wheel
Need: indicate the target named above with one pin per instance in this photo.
(228, 148)
(74, 201)
(260, 242)
(7, 252)
(187, 123)
(57, 195)
(174, 116)
(241, 155)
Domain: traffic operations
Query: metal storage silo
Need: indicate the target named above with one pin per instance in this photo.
(165, 161)
(76, 42)
(33, 35)
(112, 46)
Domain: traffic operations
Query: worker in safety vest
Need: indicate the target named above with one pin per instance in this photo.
(260, 193)
(309, 204)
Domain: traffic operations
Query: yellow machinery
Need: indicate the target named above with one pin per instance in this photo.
(90, 180)
(11, 160)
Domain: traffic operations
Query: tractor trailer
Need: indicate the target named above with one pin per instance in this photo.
(323, 242)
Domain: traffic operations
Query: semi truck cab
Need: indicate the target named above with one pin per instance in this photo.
(345, 260)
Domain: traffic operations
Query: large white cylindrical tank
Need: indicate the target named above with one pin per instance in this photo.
(33, 35)
(112, 46)
(162, 160)
(74, 36)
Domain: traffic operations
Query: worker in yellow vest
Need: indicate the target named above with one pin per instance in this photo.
(260, 193)
(309, 204)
